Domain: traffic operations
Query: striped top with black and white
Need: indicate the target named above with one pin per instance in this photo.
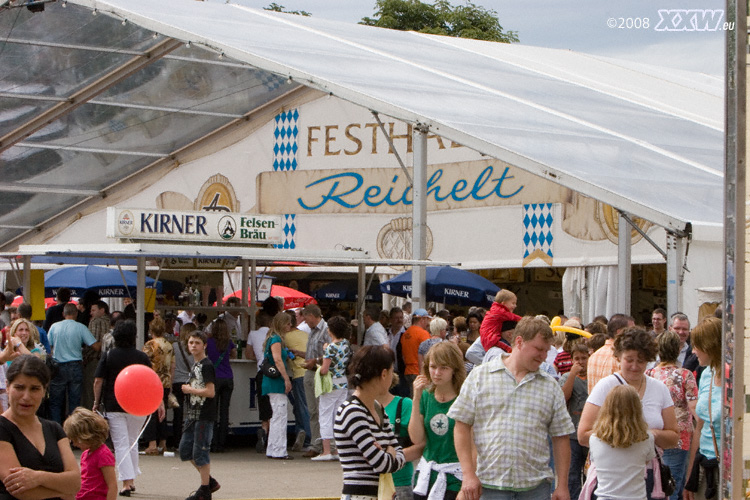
(356, 433)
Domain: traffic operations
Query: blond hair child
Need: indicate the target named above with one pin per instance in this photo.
(500, 312)
(88, 431)
(621, 445)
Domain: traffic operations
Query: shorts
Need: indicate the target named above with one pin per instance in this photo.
(196, 442)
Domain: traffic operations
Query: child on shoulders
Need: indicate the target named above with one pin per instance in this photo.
(501, 311)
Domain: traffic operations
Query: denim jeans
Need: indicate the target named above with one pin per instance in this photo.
(541, 492)
(66, 383)
(676, 459)
(299, 405)
(195, 444)
(578, 455)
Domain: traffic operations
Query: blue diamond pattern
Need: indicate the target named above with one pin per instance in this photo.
(285, 151)
(538, 221)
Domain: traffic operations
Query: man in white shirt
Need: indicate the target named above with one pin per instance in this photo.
(681, 326)
(375, 333)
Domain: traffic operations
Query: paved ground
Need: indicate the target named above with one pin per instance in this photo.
(243, 474)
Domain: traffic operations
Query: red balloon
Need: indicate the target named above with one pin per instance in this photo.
(138, 390)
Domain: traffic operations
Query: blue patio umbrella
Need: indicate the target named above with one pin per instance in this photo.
(448, 285)
(345, 290)
(106, 281)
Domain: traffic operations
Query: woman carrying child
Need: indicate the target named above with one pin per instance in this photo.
(429, 426)
(620, 446)
(88, 431)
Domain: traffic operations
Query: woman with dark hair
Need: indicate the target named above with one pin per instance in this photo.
(123, 427)
(220, 349)
(25, 471)
(634, 347)
(161, 354)
(474, 322)
(364, 437)
(704, 450)
(684, 392)
(336, 356)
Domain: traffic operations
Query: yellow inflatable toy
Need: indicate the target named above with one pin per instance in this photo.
(557, 327)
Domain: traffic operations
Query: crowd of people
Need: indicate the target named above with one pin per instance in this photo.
(430, 405)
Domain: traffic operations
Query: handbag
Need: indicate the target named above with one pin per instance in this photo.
(668, 484)
(268, 367)
(269, 370)
(172, 401)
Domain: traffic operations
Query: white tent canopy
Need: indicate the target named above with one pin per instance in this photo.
(603, 129)
(645, 140)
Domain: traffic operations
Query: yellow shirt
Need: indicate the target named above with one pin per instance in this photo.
(297, 340)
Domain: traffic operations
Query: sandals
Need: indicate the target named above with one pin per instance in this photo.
(126, 491)
(152, 452)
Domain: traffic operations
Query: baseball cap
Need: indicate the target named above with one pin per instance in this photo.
(421, 313)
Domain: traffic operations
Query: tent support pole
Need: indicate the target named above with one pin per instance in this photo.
(244, 301)
(27, 278)
(673, 268)
(419, 218)
(253, 291)
(140, 303)
(361, 292)
(732, 478)
(624, 271)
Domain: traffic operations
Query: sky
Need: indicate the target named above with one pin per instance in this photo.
(603, 27)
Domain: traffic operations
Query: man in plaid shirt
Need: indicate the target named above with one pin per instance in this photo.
(512, 407)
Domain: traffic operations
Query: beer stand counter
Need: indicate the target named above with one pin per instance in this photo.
(243, 411)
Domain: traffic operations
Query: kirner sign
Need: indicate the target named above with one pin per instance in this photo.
(207, 227)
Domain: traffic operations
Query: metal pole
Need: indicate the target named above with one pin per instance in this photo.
(140, 303)
(253, 292)
(733, 341)
(419, 218)
(26, 279)
(623, 266)
(673, 268)
(244, 324)
(361, 292)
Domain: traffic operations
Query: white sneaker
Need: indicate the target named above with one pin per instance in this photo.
(324, 458)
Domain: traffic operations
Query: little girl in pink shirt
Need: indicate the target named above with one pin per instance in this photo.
(88, 431)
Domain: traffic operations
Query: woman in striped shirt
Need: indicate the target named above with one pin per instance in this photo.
(364, 436)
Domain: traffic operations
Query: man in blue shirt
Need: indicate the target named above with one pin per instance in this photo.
(67, 338)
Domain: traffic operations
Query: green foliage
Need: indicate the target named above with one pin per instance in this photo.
(280, 8)
(441, 18)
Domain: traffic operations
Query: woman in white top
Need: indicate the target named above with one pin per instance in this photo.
(634, 348)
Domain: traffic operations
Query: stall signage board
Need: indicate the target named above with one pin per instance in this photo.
(206, 227)
(200, 263)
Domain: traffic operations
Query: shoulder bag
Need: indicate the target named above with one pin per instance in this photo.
(404, 441)
(268, 367)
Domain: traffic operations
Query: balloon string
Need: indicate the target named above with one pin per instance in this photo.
(127, 453)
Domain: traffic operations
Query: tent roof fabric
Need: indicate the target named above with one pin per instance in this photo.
(648, 141)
